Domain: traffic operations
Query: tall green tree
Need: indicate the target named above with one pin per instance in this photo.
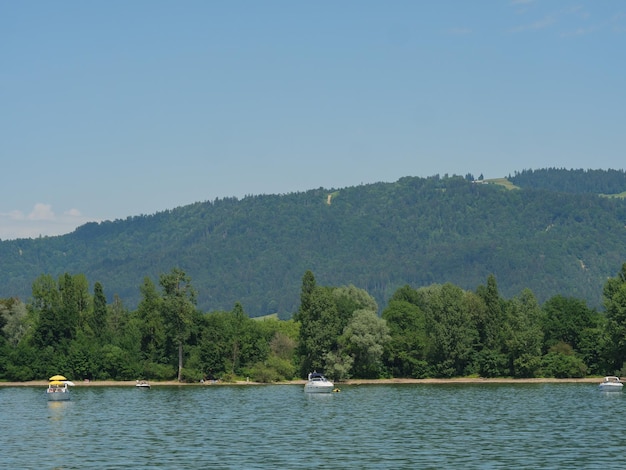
(491, 359)
(364, 339)
(238, 329)
(99, 317)
(615, 306)
(319, 330)
(117, 318)
(179, 300)
(451, 331)
(151, 323)
(491, 324)
(213, 350)
(525, 336)
(306, 290)
(75, 302)
(405, 352)
(50, 326)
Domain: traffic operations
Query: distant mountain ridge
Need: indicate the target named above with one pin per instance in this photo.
(553, 239)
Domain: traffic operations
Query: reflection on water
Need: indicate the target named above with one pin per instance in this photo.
(57, 409)
(366, 426)
(57, 406)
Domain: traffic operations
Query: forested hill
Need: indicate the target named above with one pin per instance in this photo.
(416, 231)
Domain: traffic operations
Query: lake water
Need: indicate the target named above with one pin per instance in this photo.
(534, 426)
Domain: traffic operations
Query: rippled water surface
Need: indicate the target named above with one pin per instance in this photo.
(278, 426)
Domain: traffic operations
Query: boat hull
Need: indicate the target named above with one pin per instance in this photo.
(58, 396)
(317, 388)
(611, 387)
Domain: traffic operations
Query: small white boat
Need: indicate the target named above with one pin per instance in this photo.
(317, 383)
(58, 388)
(142, 384)
(611, 384)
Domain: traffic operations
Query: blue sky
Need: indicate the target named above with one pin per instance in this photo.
(121, 108)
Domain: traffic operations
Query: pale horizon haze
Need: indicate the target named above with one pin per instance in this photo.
(123, 108)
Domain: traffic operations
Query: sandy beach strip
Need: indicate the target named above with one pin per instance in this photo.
(459, 380)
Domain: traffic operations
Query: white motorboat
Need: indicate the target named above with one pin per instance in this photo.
(317, 383)
(611, 384)
(58, 388)
(142, 384)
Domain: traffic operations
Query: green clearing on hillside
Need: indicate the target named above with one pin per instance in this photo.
(619, 196)
(271, 316)
(502, 182)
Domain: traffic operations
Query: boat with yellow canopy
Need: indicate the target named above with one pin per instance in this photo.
(58, 388)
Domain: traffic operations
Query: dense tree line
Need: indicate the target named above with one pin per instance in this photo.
(378, 237)
(65, 328)
(440, 330)
(572, 181)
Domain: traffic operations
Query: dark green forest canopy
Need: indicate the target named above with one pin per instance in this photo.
(378, 237)
(609, 182)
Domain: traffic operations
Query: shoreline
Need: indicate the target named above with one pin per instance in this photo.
(170, 383)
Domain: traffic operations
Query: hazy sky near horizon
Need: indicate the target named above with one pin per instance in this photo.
(121, 108)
